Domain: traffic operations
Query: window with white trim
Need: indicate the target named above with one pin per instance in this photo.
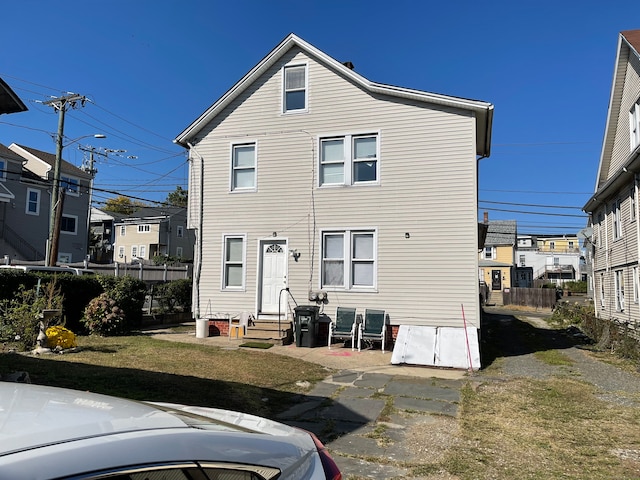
(634, 125)
(33, 202)
(64, 257)
(619, 284)
(632, 196)
(144, 228)
(233, 269)
(180, 231)
(143, 251)
(571, 245)
(523, 260)
(134, 251)
(602, 291)
(69, 224)
(71, 185)
(123, 230)
(617, 223)
(349, 259)
(294, 88)
(243, 167)
(636, 285)
(552, 245)
(120, 252)
(349, 159)
(179, 252)
(488, 253)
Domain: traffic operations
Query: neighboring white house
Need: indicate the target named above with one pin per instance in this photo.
(553, 258)
(308, 179)
(614, 238)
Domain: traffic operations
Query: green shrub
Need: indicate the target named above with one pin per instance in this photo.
(20, 315)
(575, 287)
(103, 316)
(129, 294)
(174, 295)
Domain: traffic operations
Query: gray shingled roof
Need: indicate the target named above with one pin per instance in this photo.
(501, 232)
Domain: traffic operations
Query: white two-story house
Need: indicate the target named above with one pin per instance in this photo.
(309, 180)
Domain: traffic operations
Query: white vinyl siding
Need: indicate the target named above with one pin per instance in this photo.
(295, 88)
(243, 167)
(233, 268)
(33, 202)
(427, 166)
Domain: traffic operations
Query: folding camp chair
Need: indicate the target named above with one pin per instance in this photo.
(344, 326)
(374, 327)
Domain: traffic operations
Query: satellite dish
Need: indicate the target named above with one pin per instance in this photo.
(585, 233)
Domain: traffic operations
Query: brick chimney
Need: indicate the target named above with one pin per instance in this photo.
(486, 218)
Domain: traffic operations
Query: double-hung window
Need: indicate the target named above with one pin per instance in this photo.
(295, 88)
(619, 279)
(123, 230)
(69, 224)
(636, 285)
(617, 223)
(488, 253)
(233, 268)
(349, 259)
(180, 231)
(134, 251)
(143, 251)
(243, 167)
(33, 202)
(602, 291)
(3, 169)
(349, 159)
(71, 185)
(634, 125)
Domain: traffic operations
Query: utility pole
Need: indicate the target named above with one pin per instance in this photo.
(61, 104)
(89, 168)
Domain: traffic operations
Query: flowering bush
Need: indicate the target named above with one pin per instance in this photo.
(102, 316)
(58, 336)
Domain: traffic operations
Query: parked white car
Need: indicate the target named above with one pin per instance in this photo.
(53, 433)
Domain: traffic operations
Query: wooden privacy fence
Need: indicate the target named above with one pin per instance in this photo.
(531, 297)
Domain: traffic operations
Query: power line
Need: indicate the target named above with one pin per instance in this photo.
(535, 213)
(529, 205)
(537, 192)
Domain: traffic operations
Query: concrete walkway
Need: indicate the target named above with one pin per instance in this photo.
(378, 420)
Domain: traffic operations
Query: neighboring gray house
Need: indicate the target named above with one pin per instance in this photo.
(308, 179)
(30, 218)
(151, 232)
(614, 233)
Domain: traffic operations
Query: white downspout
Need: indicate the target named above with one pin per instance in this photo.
(195, 298)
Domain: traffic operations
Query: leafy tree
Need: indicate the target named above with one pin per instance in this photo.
(123, 205)
(178, 198)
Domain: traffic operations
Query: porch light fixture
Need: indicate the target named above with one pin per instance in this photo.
(407, 235)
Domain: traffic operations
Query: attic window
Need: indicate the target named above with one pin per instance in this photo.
(634, 125)
(295, 88)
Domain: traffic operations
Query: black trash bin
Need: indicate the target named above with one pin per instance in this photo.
(306, 325)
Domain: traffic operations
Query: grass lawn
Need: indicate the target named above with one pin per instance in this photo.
(143, 368)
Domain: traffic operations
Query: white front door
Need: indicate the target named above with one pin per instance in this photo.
(274, 275)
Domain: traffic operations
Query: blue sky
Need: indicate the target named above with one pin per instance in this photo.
(150, 67)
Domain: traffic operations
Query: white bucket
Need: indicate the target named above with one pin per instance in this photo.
(202, 327)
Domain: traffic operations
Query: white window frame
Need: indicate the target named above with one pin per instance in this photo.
(349, 160)
(180, 231)
(29, 202)
(636, 285)
(617, 220)
(179, 252)
(142, 251)
(121, 252)
(305, 89)
(523, 260)
(634, 125)
(552, 245)
(123, 230)
(70, 184)
(619, 285)
(571, 244)
(69, 232)
(348, 259)
(64, 257)
(492, 253)
(134, 251)
(602, 291)
(632, 197)
(144, 228)
(224, 280)
(233, 168)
